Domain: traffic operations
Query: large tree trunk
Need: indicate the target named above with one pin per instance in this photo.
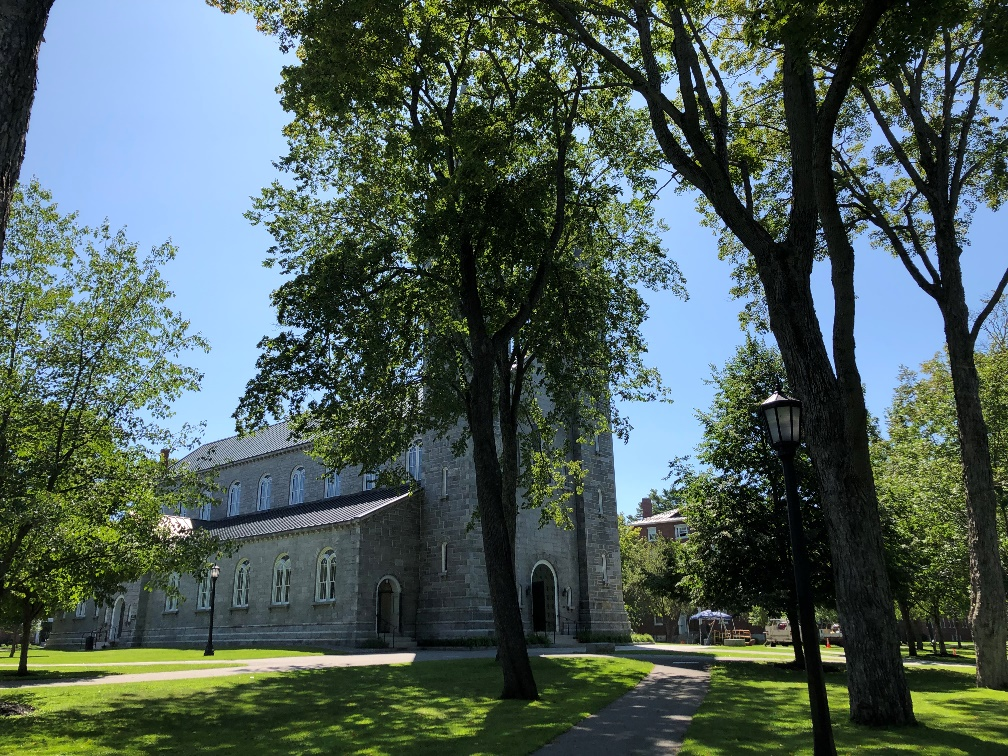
(942, 651)
(796, 639)
(512, 651)
(26, 621)
(22, 23)
(835, 420)
(908, 627)
(987, 590)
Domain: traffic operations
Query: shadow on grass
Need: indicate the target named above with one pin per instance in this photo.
(431, 707)
(47, 675)
(759, 709)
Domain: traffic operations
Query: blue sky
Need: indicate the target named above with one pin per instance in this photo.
(162, 116)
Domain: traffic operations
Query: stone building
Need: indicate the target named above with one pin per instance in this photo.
(331, 560)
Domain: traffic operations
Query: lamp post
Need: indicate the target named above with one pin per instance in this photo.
(782, 416)
(214, 574)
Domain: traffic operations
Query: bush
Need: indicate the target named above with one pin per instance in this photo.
(641, 638)
(538, 639)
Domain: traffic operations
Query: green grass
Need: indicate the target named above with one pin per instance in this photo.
(964, 655)
(42, 656)
(760, 652)
(54, 672)
(763, 709)
(423, 708)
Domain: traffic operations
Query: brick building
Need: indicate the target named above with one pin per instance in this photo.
(331, 560)
(652, 526)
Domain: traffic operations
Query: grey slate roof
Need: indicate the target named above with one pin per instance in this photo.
(271, 439)
(315, 514)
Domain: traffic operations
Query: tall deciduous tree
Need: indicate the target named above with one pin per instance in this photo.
(744, 98)
(22, 23)
(89, 370)
(464, 233)
(654, 574)
(930, 99)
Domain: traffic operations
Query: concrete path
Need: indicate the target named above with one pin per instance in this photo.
(650, 719)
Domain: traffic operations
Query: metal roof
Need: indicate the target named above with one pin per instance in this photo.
(316, 514)
(674, 516)
(272, 438)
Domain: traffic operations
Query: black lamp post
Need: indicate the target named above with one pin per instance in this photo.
(214, 574)
(782, 416)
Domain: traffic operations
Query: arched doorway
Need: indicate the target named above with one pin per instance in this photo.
(388, 606)
(545, 598)
(118, 619)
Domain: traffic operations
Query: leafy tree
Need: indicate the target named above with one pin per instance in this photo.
(465, 232)
(22, 23)
(929, 100)
(89, 370)
(744, 98)
(740, 547)
(653, 577)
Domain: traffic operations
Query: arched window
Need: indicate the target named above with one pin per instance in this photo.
(605, 570)
(325, 583)
(332, 485)
(203, 510)
(234, 499)
(241, 584)
(413, 459)
(370, 481)
(171, 601)
(81, 609)
(297, 487)
(203, 594)
(265, 484)
(281, 580)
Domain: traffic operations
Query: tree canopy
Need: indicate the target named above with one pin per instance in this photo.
(89, 372)
(465, 232)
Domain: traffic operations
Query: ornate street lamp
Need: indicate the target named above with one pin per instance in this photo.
(782, 416)
(214, 574)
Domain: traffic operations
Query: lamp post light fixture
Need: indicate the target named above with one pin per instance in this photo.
(782, 416)
(214, 574)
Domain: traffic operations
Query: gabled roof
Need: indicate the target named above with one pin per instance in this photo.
(672, 516)
(267, 440)
(316, 514)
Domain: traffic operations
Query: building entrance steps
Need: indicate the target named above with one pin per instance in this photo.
(652, 718)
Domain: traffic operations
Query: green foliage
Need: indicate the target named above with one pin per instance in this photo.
(653, 576)
(89, 372)
(739, 553)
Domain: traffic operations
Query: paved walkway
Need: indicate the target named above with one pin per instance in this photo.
(650, 719)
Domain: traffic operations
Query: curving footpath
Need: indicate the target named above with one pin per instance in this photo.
(650, 719)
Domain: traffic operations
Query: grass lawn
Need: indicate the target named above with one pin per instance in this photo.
(758, 653)
(964, 655)
(762, 709)
(75, 672)
(46, 657)
(423, 708)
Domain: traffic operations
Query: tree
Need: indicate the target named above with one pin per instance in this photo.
(740, 545)
(465, 233)
(744, 99)
(89, 371)
(653, 577)
(929, 98)
(22, 23)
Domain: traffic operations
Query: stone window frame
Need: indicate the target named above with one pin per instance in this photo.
(414, 461)
(172, 602)
(370, 481)
(325, 576)
(605, 569)
(297, 486)
(280, 584)
(332, 484)
(240, 589)
(265, 493)
(234, 498)
(81, 611)
(444, 558)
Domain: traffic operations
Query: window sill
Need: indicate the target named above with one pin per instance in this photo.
(239, 608)
(279, 607)
(170, 611)
(202, 610)
(324, 603)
